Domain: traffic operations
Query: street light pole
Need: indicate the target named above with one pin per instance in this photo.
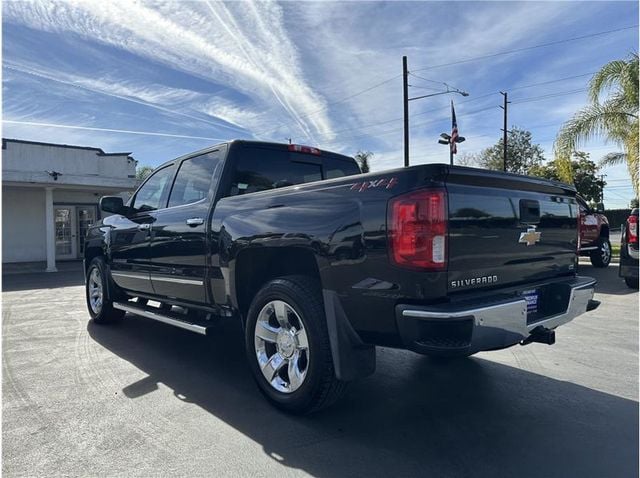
(405, 91)
(406, 99)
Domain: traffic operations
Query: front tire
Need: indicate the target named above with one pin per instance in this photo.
(97, 294)
(287, 344)
(602, 256)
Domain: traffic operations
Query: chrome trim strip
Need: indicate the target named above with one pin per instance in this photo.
(427, 314)
(131, 275)
(590, 248)
(161, 318)
(177, 280)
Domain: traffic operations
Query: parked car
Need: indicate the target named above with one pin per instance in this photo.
(321, 264)
(629, 250)
(594, 234)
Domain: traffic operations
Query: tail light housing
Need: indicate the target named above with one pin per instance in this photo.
(632, 229)
(417, 230)
(581, 219)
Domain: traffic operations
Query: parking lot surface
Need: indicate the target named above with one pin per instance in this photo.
(141, 398)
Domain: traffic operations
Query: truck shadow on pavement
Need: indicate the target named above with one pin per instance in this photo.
(414, 417)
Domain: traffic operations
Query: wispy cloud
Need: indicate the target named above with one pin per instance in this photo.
(240, 46)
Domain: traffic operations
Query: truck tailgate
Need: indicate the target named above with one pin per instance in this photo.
(505, 229)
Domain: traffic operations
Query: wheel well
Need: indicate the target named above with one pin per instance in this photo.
(604, 232)
(256, 267)
(89, 254)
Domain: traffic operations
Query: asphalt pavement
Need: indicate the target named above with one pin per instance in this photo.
(145, 399)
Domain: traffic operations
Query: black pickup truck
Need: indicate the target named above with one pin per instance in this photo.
(321, 263)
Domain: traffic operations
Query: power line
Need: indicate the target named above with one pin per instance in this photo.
(377, 85)
(475, 98)
(551, 81)
(550, 95)
(527, 48)
(427, 79)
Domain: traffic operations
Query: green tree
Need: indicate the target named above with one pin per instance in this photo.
(142, 172)
(614, 119)
(362, 158)
(522, 154)
(585, 175)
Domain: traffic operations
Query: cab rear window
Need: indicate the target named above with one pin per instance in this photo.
(259, 169)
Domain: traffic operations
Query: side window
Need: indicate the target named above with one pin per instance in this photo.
(193, 180)
(262, 169)
(150, 195)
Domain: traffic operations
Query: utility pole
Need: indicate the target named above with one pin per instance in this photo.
(405, 92)
(602, 176)
(504, 131)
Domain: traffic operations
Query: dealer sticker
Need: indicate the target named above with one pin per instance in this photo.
(531, 296)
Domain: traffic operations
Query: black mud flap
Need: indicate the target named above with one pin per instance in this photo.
(352, 359)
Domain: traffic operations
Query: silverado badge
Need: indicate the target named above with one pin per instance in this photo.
(530, 237)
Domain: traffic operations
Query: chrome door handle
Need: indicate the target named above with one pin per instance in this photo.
(144, 227)
(195, 221)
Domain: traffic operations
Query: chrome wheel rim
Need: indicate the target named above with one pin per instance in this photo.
(95, 291)
(606, 252)
(282, 346)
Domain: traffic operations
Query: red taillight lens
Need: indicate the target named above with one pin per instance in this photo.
(581, 219)
(417, 228)
(632, 229)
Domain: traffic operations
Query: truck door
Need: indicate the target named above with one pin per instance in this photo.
(178, 247)
(130, 234)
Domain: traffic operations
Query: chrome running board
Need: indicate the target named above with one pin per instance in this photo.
(160, 317)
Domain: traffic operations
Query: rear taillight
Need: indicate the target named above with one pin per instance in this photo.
(417, 228)
(581, 218)
(632, 229)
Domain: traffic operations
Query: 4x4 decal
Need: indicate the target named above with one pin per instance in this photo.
(375, 183)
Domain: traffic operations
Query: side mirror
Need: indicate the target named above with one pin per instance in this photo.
(600, 208)
(113, 204)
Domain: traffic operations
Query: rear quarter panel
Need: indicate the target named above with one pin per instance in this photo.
(343, 223)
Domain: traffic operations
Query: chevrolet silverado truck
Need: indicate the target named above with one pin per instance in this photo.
(594, 234)
(321, 263)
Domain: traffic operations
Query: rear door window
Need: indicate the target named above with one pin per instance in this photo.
(193, 180)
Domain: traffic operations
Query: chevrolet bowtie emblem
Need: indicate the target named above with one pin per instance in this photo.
(530, 237)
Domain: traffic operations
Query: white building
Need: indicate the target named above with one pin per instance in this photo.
(50, 195)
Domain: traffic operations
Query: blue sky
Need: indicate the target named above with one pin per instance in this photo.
(198, 72)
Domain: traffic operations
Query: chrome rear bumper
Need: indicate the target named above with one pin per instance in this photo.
(453, 330)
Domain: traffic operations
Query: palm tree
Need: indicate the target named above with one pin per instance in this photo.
(615, 118)
(363, 157)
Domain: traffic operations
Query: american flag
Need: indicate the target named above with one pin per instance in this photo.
(454, 131)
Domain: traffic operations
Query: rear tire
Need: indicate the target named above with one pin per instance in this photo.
(632, 282)
(287, 344)
(99, 295)
(602, 256)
